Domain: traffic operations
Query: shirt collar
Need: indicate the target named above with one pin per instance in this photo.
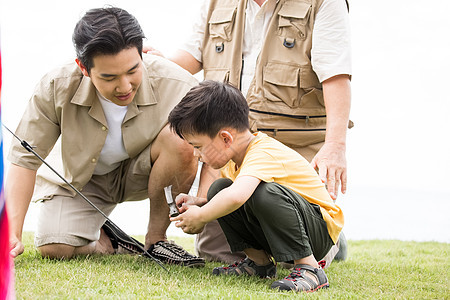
(86, 93)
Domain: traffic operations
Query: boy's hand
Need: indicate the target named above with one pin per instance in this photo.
(189, 221)
(183, 201)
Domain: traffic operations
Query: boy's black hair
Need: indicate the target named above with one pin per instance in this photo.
(107, 30)
(209, 107)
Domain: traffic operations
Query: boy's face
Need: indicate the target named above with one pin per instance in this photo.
(213, 152)
(117, 77)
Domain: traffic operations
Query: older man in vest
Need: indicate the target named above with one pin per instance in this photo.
(291, 59)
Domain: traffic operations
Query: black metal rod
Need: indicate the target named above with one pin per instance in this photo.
(29, 148)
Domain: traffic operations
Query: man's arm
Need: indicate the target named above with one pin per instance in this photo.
(185, 60)
(19, 187)
(330, 160)
(181, 57)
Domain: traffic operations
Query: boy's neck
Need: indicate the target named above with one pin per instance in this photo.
(240, 144)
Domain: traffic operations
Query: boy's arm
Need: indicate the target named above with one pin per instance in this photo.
(230, 199)
(223, 203)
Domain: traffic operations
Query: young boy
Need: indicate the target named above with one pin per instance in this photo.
(270, 203)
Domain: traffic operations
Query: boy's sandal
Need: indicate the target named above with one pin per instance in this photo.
(247, 267)
(304, 278)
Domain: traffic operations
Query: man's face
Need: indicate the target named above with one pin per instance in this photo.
(117, 77)
(211, 151)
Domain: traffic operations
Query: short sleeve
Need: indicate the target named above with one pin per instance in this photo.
(194, 43)
(262, 165)
(331, 44)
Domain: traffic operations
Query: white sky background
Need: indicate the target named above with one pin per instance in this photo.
(398, 152)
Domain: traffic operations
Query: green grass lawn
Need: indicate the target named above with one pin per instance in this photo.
(374, 270)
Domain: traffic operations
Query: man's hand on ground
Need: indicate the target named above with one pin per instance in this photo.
(16, 247)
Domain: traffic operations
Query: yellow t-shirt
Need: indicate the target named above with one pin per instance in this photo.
(271, 161)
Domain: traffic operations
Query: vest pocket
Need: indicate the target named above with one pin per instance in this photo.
(222, 75)
(311, 98)
(295, 138)
(221, 23)
(293, 17)
(280, 83)
(293, 133)
(313, 94)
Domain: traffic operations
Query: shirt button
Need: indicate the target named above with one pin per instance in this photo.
(93, 160)
(103, 128)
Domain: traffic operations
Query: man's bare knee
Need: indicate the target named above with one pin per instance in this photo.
(186, 153)
(57, 251)
(169, 143)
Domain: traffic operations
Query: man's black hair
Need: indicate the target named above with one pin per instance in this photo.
(107, 30)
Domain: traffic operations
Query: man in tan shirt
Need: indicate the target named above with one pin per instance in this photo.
(109, 110)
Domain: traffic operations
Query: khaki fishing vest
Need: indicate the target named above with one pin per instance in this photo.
(285, 96)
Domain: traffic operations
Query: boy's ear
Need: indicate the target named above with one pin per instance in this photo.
(226, 137)
(82, 67)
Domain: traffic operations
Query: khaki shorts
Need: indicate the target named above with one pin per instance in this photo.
(71, 220)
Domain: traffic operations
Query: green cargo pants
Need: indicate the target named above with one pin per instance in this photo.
(277, 220)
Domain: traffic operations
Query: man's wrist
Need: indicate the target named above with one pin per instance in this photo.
(341, 143)
(14, 232)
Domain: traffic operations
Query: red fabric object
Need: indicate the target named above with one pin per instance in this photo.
(6, 279)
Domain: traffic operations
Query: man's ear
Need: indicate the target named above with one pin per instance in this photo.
(226, 137)
(82, 67)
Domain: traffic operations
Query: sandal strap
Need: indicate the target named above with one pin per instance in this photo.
(303, 278)
(308, 283)
(247, 267)
(317, 272)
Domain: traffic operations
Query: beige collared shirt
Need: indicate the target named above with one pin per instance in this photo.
(65, 105)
